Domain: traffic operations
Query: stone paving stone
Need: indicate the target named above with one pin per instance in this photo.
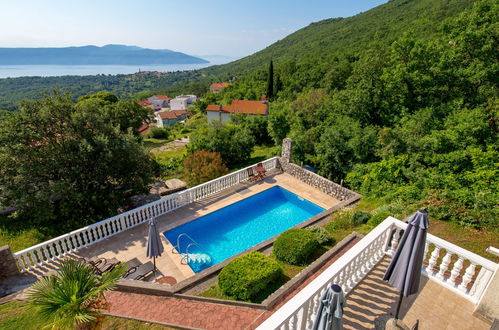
(435, 306)
(198, 314)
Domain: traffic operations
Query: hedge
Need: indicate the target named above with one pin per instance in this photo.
(295, 246)
(245, 277)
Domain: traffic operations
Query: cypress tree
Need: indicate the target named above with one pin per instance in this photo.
(278, 84)
(270, 83)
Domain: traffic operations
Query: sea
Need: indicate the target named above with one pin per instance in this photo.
(12, 71)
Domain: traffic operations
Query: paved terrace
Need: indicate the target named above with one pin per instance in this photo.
(436, 307)
(132, 242)
(368, 307)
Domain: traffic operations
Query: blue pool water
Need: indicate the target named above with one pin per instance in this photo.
(239, 226)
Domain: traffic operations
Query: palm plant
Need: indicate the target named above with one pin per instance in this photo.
(69, 298)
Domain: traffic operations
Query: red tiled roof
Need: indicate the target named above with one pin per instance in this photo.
(144, 129)
(145, 103)
(174, 114)
(163, 97)
(242, 106)
(219, 85)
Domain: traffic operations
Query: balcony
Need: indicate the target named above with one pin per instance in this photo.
(453, 282)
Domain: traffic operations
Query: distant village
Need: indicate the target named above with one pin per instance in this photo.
(169, 111)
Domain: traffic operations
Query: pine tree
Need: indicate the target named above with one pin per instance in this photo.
(270, 83)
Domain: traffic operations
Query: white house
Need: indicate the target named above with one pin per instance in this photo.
(247, 107)
(182, 102)
(160, 101)
(169, 118)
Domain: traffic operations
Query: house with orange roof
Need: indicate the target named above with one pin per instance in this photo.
(246, 107)
(146, 104)
(169, 118)
(218, 87)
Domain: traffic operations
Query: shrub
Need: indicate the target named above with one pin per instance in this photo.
(360, 218)
(378, 217)
(321, 235)
(202, 166)
(341, 220)
(295, 246)
(245, 277)
(159, 132)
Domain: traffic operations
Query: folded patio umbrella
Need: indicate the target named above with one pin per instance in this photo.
(154, 245)
(330, 312)
(404, 270)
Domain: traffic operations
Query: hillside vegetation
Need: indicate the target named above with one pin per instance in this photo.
(321, 42)
(398, 103)
(413, 121)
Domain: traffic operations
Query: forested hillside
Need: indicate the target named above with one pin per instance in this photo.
(400, 102)
(413, 121)
(309, 53)
(321, 42)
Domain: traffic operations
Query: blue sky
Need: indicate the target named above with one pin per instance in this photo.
(233, 28)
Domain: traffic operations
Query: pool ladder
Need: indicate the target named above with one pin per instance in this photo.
(202, 258)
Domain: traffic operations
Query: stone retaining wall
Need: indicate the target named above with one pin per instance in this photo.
(326, 186)
(8, 265)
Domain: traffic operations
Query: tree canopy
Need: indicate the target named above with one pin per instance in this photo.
(69, 162)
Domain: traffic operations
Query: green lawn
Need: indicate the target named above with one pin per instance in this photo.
(151, 143)
(16, 315)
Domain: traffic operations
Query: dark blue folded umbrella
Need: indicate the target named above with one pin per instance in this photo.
(330, 312)
(404, 270)
(154, 245)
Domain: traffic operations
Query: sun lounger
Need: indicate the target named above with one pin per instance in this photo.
(100, 265)
(141, 272)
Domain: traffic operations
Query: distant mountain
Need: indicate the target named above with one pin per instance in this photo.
(93, 55)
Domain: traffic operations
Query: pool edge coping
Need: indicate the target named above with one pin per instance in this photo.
(153, 288)
(158, 289)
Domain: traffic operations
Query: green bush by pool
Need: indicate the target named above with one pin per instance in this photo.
(295, 246)
(245, 277)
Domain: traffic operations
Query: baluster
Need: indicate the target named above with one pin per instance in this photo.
(115, 228)
(426, 247)
(84, 237)
(293, 321)
(315, 305)
(444, 265)
(307, 324)
(395, 241)
(45, 255)
(58, 247)
(468, 276)
(99, 230)
(456, 270)
(433, 259)
(53, 253)
(304, 315)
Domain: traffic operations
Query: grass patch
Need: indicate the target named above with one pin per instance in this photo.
(19, 235)
(16, 315)
(154, 143)
(165, 156)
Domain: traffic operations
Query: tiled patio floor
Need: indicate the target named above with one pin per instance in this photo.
(435, 306)
(197, 314)
(132, 243)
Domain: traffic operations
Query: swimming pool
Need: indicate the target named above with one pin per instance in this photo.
(242, 225)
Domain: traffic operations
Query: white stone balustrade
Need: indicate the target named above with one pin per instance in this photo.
(356, 263)
(50, 250)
